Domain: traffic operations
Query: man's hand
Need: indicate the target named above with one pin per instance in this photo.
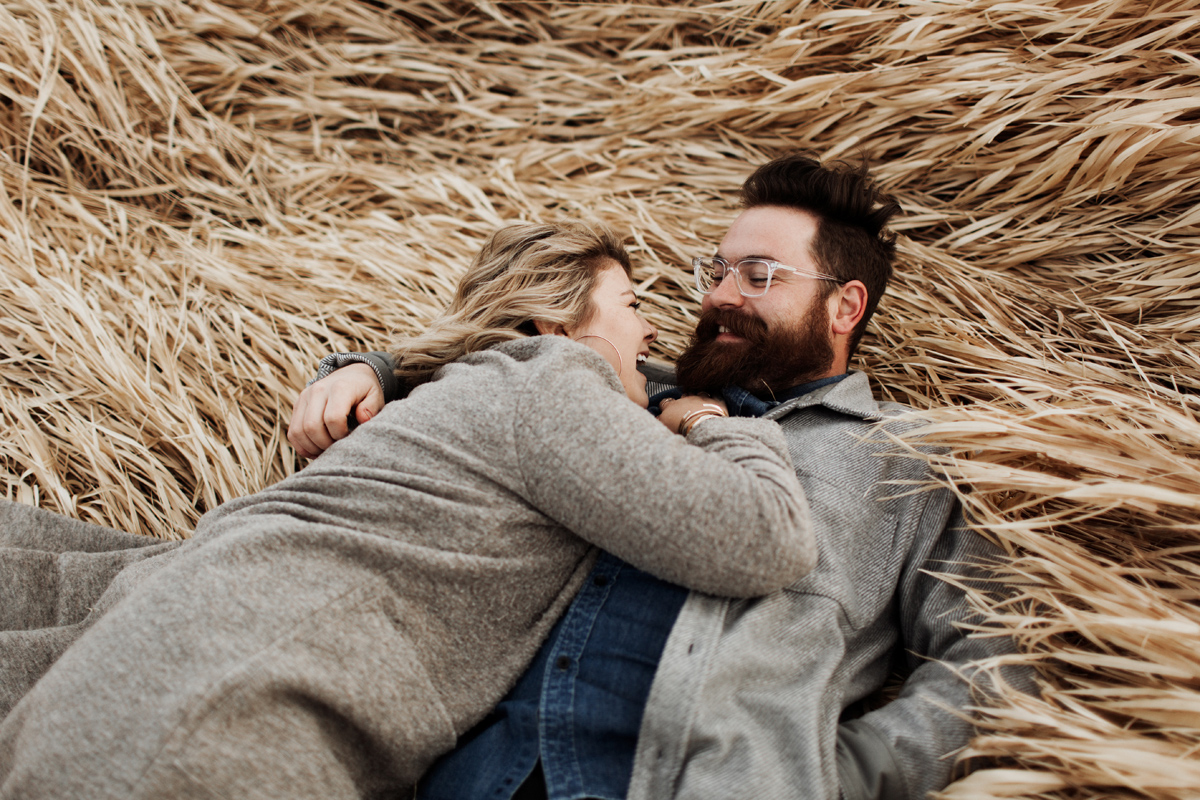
(321, 413)
(674, 411)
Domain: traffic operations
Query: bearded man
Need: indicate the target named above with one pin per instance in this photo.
(644, 690)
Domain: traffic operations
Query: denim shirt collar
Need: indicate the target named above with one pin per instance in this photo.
(851, 396)
(743, 404)
(847, 394)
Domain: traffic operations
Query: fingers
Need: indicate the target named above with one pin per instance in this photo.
(295, 434)
(335, 416)
(321, 413)
(370, 405)
(306, 429)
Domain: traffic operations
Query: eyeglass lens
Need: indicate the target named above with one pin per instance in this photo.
(752, 276)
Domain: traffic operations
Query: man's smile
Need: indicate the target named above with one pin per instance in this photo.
(726, 335)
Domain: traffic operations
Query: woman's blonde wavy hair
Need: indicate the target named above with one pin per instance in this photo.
(523, 273)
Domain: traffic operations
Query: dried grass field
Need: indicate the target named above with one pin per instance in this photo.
(199, 198)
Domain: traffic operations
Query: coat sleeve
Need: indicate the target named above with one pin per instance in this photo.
(721, 512)
(906, 748)
(382, 363)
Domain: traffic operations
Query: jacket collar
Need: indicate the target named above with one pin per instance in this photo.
(851, 396)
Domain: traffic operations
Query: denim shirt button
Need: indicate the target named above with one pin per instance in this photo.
(563, 663)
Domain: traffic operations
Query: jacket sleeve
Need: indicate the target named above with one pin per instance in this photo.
(905, 749)
(721, 512)
(381, 363)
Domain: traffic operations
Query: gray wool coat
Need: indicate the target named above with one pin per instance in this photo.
(329, 636)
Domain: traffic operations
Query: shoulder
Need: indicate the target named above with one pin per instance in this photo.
(541, 363)
(853, 405)
(899, 419)
(845, 430)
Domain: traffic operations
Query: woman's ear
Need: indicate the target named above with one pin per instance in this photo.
(545, 328)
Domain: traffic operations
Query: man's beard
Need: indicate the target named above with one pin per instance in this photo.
(765, 362)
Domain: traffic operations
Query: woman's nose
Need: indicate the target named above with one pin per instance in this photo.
(651, 331)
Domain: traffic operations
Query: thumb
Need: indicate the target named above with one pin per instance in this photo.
(369, 406)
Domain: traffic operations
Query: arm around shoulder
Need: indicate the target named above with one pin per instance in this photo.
(721, 512)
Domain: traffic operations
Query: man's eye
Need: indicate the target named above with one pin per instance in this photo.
(756, 272)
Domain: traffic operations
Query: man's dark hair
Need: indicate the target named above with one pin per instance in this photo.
(852, 241)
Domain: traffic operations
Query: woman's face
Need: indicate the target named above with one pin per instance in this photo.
(617, 331)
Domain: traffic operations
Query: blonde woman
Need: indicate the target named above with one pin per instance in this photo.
(329, 636)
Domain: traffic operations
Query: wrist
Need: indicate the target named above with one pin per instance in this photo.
(690, 419)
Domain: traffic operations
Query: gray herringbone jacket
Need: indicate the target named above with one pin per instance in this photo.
(748, 695)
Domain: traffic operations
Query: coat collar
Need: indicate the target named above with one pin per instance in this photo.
(851, 396)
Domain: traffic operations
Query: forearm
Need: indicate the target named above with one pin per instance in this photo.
(868, 767)
(740, 525)
(721, 511)
(905, 749)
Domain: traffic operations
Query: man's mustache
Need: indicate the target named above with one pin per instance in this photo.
(748, 327)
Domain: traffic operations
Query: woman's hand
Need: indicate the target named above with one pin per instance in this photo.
(322, 411)
(675, 411)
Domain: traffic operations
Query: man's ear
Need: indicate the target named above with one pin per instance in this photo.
(846, 307)
(545, 328)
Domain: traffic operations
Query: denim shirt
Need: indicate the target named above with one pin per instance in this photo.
(579, 705)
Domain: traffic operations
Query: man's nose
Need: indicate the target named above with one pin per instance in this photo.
(725, 294)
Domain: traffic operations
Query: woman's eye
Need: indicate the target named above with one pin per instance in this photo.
(635, 305)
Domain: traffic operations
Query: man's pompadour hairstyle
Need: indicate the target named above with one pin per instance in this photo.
(852, 240)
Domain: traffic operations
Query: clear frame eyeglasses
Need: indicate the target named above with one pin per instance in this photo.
(753, 275)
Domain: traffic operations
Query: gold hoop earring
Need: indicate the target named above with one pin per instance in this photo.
(620, 361)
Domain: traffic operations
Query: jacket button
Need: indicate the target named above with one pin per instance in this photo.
(600, 580)
(563, 663)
